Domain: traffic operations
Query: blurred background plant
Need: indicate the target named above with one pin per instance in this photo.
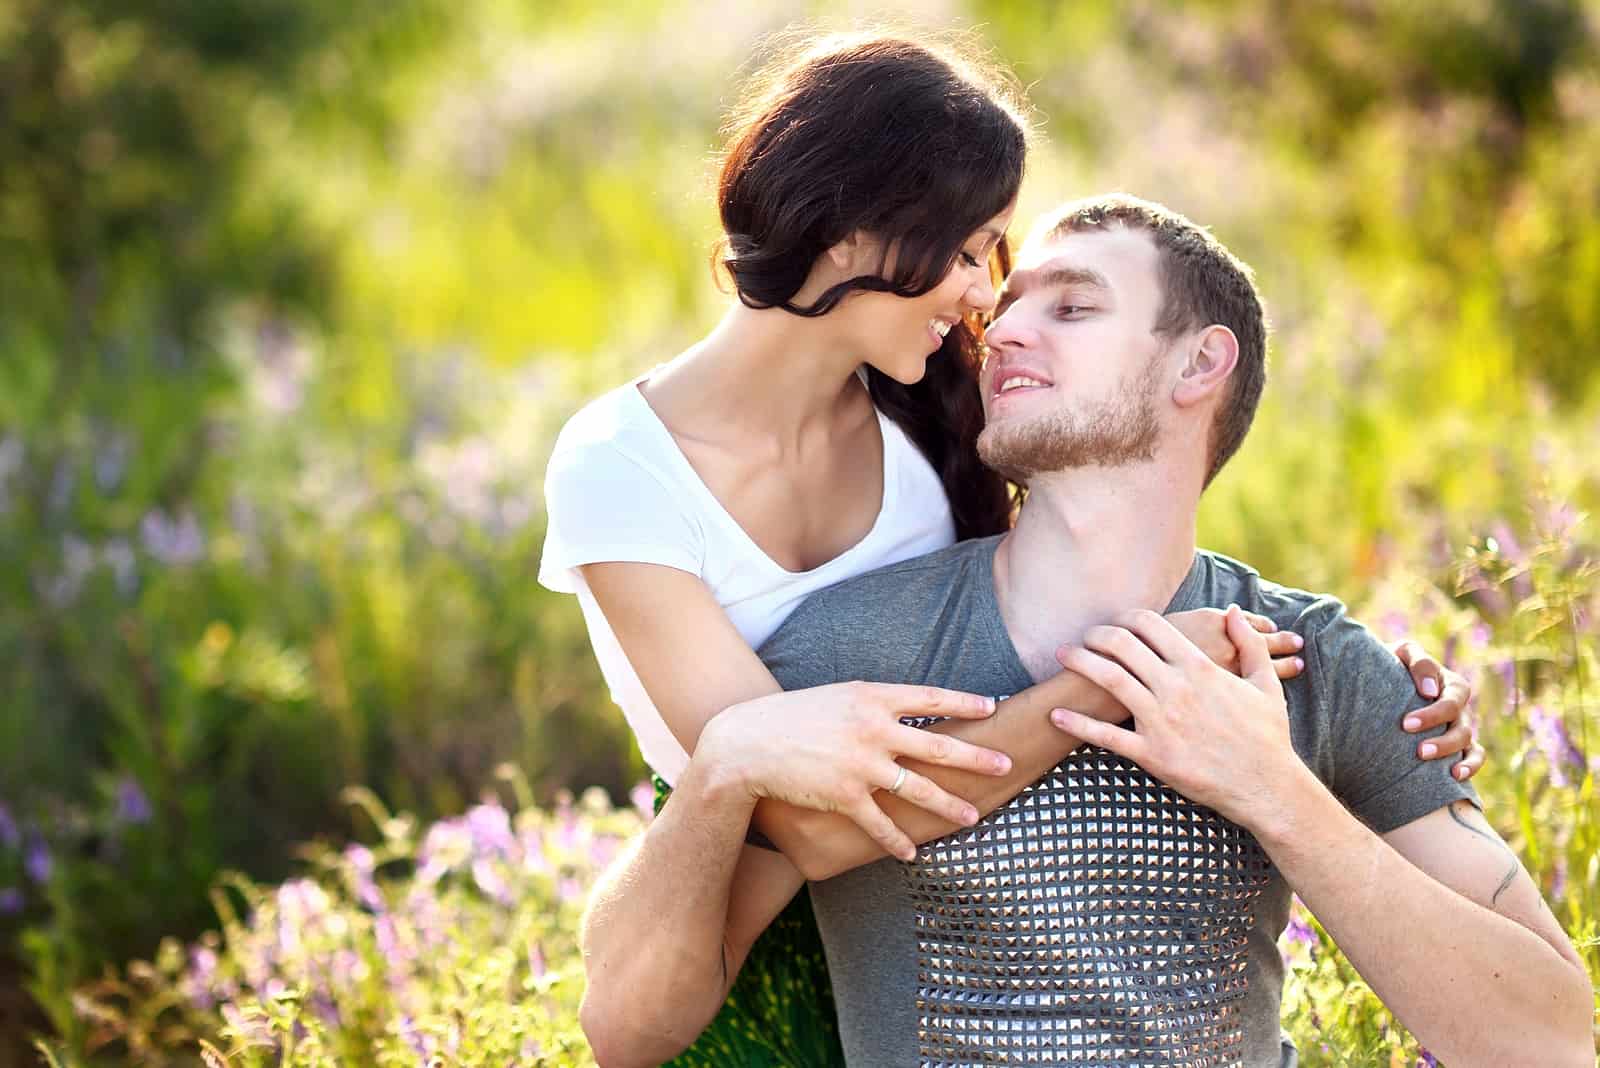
(293, 297)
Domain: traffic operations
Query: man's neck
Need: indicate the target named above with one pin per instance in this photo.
(1089, 544)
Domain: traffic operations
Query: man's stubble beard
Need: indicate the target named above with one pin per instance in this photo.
(1121, 430)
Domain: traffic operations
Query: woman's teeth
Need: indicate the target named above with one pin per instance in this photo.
(939, 326)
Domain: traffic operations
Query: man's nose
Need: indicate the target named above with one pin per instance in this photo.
(1006, 331)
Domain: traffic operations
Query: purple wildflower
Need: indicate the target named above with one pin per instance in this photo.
(490, 827)
(487, 875)
(1550, 734)
(36, 861)
(1427, 1060)
(11, 901)
(175, 543)
(9, 835)
(362, 866)
(643, 797)
(132, 805)
(199, 982)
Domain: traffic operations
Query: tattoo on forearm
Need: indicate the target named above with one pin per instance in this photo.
(1515, 864)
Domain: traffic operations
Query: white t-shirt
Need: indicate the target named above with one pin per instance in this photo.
(619, 489)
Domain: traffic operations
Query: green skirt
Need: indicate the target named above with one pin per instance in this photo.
(779, 1013)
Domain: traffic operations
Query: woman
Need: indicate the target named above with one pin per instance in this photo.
(825, 427)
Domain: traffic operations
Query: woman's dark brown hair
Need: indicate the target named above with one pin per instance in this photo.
(913, 143)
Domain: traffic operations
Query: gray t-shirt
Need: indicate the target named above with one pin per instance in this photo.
(1099, 917)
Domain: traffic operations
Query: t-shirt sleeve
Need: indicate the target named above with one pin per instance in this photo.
(1363, 692)
(601, 504)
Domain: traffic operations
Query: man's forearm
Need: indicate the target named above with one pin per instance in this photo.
(824, 844)
(657, 923)
(1428, 951)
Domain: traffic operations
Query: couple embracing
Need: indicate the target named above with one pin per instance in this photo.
(956, 781)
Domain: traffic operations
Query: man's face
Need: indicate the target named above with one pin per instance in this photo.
(1074, 372)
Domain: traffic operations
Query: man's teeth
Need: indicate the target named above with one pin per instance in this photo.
(1018, 382)
(940, 327)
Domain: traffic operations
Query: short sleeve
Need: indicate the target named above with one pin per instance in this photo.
(602, 504)
(1364, 693)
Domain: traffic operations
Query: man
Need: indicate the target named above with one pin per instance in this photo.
(1124, 908)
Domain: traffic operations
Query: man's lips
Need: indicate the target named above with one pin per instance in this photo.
(1016, 379)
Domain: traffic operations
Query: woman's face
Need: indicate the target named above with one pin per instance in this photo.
(896, 334)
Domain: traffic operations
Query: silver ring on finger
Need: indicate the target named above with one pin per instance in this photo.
(899, 781)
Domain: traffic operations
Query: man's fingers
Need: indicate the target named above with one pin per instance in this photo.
(1468, 765)
(925, 793)
(881, 829)
(1254, 663)
(1170, 643)
(1113, 678)
(1127, 649)
(1455, 740)
(931, 747)
(1118, 740)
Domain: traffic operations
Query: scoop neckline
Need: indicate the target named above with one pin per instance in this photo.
(888, 498)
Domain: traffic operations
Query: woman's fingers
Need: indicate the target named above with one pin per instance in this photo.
(1426, 672)
(1265, 625)
(1455, 740)
(1469, 765)
(929, 701)
(931, 747)
(1288, 667)
(881, 829)
(1283, 642)
(925, 793)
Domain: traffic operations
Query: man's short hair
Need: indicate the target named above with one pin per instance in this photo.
(1202, 284)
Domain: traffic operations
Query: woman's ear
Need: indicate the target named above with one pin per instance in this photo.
(1212, 356)
(845, 256)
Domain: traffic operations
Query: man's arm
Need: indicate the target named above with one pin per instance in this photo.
(664, 921)
(1437, 915)
(1455, 921)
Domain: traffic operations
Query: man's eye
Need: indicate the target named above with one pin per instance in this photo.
(1067, 311)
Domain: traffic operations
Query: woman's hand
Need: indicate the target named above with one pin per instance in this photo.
(830, 747)
(1454, 695)
(1207, 629)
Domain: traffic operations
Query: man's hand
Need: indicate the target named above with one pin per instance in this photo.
(1217, 738)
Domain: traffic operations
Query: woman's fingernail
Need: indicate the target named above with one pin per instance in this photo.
(1299, 664)
(1059, 717)
(1428, 749)
(1413, 723)
(1430, 688)
(1298, 642)
(1461, 772)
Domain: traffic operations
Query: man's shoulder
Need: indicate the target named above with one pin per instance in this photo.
(889, 591)
(1225, 581)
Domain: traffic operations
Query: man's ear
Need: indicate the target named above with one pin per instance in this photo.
(1212, 356)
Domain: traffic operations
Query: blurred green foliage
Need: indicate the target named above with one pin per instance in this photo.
(293, 297)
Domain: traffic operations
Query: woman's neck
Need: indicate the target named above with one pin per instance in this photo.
(763, 378)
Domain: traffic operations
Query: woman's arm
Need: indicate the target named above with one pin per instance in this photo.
(834, 750)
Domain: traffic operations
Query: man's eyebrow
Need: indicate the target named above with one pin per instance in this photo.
(1048, 278)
